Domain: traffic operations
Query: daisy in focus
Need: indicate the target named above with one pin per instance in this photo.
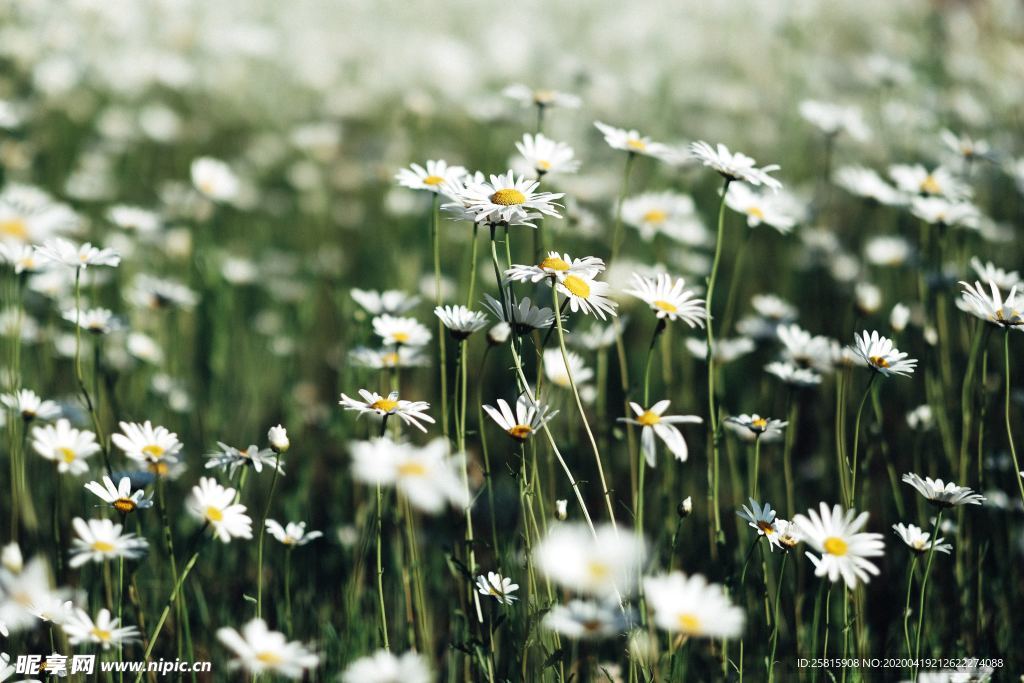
(654, 422)
(495, 586)
(121, 497)
(942, 494)
(230, 459)
(919, 541)
(100, 540)
(844, 549)
(881, 355)
(528, 418)
(214, 505)
(433, 178)
(991, 306)
(504, 200)
(147, 444)
(461, 321)
(759, 427)
(105, 631)
(735, 166)
(631, 141)
(762, 520)
(410, 412)
(293, 534)
(259, 650)
(691, 606)
(669, 299)
(556, 266)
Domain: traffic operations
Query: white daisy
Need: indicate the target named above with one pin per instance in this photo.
(427, 476)
(586, 295)
(391, 301)
(134, 218)
(964, 146)
(30, 405)
(214, 179)
(918, 180)
(395, 330)
(461, 321)
(882, 356)
(106, 631)
(762, 520)
(378, 359)
(557, 373)
(230, 458)
(691, 606)
(503, 199)
(779, 210)
(723, 350)
(989, 272)
(147, 444)
(22, 257)
(120, 497)
(556, 266)
(669, 298)
(668, 213)
(524, 316)
(259, 650)
(278, 438)
(98, 321)
(631, 141)
(844, 548)
(867, 183)
(941, 210)
(586, 620)
(62, 252)
(410, 412)
(542, 97)
(433, 178)
(65, 445)
(385, 667)
(919, 541)
(599, 566)
(994, 309)
(99, 540)
(498, 587)
(735, 166)
(941, 494)
(294, 534)
(654, 422)
(759, 426)
(833, 119)
(527, 419)
(160, 293)
(544, 155)
(214, 505)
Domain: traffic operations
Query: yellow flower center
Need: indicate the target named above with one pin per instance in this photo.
(598, 571)
(577, 286)
(553, 263)
(154, 451)
(124, 505)
(663, 305)
(931, 186)
(102, 546)
(649, 419)
(214, 514)
(835, 546)
(688, 623)
(433, 180)
(543, 97)
(879, 361)
(766, 528)
(636, 144)
(66, 454)
(508, 197)
(756, 213)
(385, 404)
(14, 227)
(400, 337)
(269, 658)
(655, 216)
(412, 469)
(100, 634)
(543, 165)
(520, 432)
(759, 423)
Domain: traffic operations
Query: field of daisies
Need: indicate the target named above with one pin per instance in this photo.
(387, 343)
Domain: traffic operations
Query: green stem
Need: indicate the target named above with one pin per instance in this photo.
(775, 619)
(714, 434)
(167, 609)
(924, 591)
(856, 437)
(1006, 414)
(259, 544)
(906, 606)
(441, 350)
(380, 571)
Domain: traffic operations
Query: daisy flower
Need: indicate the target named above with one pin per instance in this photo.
(410, 412)
(99, 540)
(391, 301)
(586, 295)
(833, 119)
(631, 141)
(994, 309)
(278, 438)
(919, 541)
(436, 175)
(461, 321)
(556, 266)
(691, 606)
(759, 426)
(134, 218)
(544, 155)
(65, 445)
(989, 272)
(964, 146)
(779, 210)
(558, 374)
(230, 458)
(147, 444)
(106, 631)
(524, 316)
(498, 587)
(867, 183)
(394, 330)
(120, 497)
(21, 256)
(787, 534)
(542, 97)
(586, 620)
(499, 333)
(762, 520)
(597, 336)
(843, 547)
(599, 566)
(940, 210)
(504, 199)
(214, 505)
(160, 293)
(98, 321)
(882, 356)
(378, 359)
(214, 179)
(669, 298)
(62, 252)
(30, 406)
(427, 476)
(918, 180)
(385, 667)
(668, 213)
(28, 595)
(30, 215)
(654, 422)
(735, 166)
(294, 534)
(527, 419)
(259, 650)
(941, 494)
(804, 349)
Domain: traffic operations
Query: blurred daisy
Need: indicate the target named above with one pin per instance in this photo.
(391, 301)
(888, 250)
(214, 179)
(214, 505)
(21, 256)
(544, 155)
(865, 182)
(99, 540)
(432, 178)
(259, 650)
(669, 298)
(941, 494)
(546, 98)
(586, 620)
(230, 458)
(654, 422)
(631, 141)
(882, 356)
(964, 146)
(278, 438)
(505, 199)
(294, 534)
(524, 316)
(989, 272)
(919, 541)
(527, 419)
(691, 606)
(30, 405)
(834, 119)
(395, 330)
(498, 587)
(134, 218)
(427, 476)
(145, 443)
(572, 557)
(921, 418)
(779, 210)
(30, 215)
(918, 180)
(994, 309)
(385, 667)
(793, 375)
(804, 349)
(557, 373)
(667, 213)
(738, 167)
(940, 210)
(410, 412)
(461, 321)
(159, 293)
(761, 519)
(843, 547)
(62, 252)
(106, 631)
(96, 321)
(759, 426)
(378, 359)
(65, 445)
(120, 497)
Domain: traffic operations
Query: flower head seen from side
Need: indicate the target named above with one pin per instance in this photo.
(399, 331)
(632, 141)
(597, 565)
(30, 405)
(231, 459)
(214, 179)
(278, 438)
(98, 321)
(147, 444)
(292, 534)
(843, 548)
(759, 427)
(990, 272)
(105, 631)
(665, 213)
(787, 534)
(259, 650)
(556, 266)
(882, 355)
(410, 412)
(100, 540)
(433, 178)
(527, 419)
(653, 422)
(793, 375)
(669, 298)
(62, 252)
(391, 301)
(494, 585)
(63, 444)
(461, 321)
(505, 200)
(691, 606)
(939, 182)
(762, 520)
(524, 316)
(918, 540)
(428, 476)
(939, 210)
(735, 166)
(214, 505)
(942, 494)
(120, 497)
(546, 156)
(557, 373)
(541, 97)
(386, 667)
(991, 306)
(586, 620)
(867, 183)
(588, 296)
(779, 210)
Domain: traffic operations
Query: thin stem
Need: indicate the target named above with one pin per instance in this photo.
(167, 609)
(756, 475)
(1006, 413)
(906, 606)
(714, 434)
(924, 591)
(775, 619)
(380, 571)
(856, 437)
(259, 544)
(441, 350)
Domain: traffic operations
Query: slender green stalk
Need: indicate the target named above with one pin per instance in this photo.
(1006, 413)
(380, 571)
(167, 609)
(775, 618)
(714, 434)
(906, 607)
(259, 543)
(924, 591)
(288, 588)
(756, 474)
(441, 350)
(856, 437)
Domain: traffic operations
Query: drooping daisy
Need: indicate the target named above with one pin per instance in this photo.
(787, 534)
(844, 548)
(62, 252)
(542, 97)
(428, 476)
(433, 178)
(654, 422)
(98, 321)
(558, 374)
(498, 587)
(882, 356)
(1005, 313)
(214, 179)
(762, 520)
(669, 298)
(214, 505)
(918, 180)
(631, 141)
(391, 301)
(504, 199)
(919, 541)
(524, 316)
(778, 210)
(941, 494)
(106, 631)
(231, 459)
(63, 444)
(259, 650)
(99, 540)
(735, 167)
(760, 427)
(410, 412)
(120, 497)
(545, 155)
(30, 405)
(385, 667)
(398, 331)
(461, 321)
(294, 534)
(599, 566)
(528, 418)
(667, 213)
(691, 606)
(989, 272)
(834, 119)
(147, 444)
(586, 620)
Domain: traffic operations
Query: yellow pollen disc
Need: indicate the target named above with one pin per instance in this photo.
(835, 546)
(879, 361)
(598, 571)
(655, 216)
(390, 359)
(648, 419)
(591, 625)
(759, 423)
(688, 623)
(508, 197)
(756, 213)
(543, 165)
(102, 547)
(520, 432)
(412, 469)
(67, 455)
(214, 514)
(553, 263)
(385, 404)
(400, 337)
(636, 145)
(766, 528)
(931, 186)
(154, 451)
(663, 305)
(124, 505)
(269, 658)
(14, 227)
(543, 96)
(433, 180)
(577, 286)
(100, 634)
